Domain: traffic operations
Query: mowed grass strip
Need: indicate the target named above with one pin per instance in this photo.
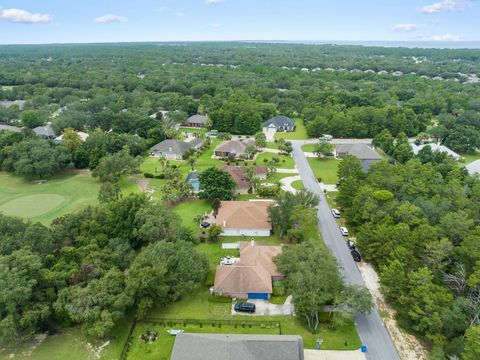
(325, 169)
(46, 200)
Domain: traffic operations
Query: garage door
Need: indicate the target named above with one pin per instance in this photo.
(258, 296)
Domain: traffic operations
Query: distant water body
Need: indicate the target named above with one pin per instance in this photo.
(405, 44)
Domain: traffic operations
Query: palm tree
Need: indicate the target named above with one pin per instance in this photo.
(192, 161)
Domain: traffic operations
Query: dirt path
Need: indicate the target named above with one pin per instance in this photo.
(142, 183)
(408, 347)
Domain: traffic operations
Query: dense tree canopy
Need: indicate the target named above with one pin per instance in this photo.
(91, 267)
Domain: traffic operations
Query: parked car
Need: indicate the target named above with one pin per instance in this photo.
(344, 231)
(356, 255)
(335, 213)
(351, 244)
(245, 307)
(205, 224)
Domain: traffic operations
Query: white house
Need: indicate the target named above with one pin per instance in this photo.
(247, 218)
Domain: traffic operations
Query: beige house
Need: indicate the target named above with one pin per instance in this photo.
(252, 276)
(244, 218)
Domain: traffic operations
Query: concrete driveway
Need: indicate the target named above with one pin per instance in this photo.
(264, 308)
(287, 183)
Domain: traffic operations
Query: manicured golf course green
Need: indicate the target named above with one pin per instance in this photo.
(46, 200)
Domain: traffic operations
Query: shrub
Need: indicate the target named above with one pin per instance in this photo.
(219, 299)
(160, 176)
(148, 175)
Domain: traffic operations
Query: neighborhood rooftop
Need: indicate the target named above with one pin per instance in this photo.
(234, 146)
(280, 121)
(172, 146)
(361, 151)
(9, 128)
(244, 215)
(238, 174)
(197, 119)
(435, 147)
(237, 347)
(252, 276)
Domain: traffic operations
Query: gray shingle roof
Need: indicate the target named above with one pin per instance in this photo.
(237, 347)
(235, 146)
(9, 128)
(435, 147)
(279, 121)
(44, 131)
(172, 146)
(361, 151)
(197, 119)
(195, 142)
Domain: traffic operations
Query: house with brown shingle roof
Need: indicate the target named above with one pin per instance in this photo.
(252, 276)
(247, 218)
(234, 148)
(238, 175)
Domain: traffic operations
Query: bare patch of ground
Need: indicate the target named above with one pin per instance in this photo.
(408, 346)
(142, 183)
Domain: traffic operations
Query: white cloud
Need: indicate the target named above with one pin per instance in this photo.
(445, 37)
(160, 9)
(179, 14)
(109, 18)
(215, 25)
(25, 17)
(445, 5)
(406, 27)
(214, 2)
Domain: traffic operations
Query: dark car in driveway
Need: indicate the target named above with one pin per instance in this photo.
(356, 255)
(245, 307)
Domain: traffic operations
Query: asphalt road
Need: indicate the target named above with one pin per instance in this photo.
(370, 327)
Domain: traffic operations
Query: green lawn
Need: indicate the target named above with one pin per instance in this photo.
(189, 209)
(272, 145)
(298, 185)
(300, 132)
(326, 169)
(198, 306)
(273, 178)
(46, 200)
(308, 147)
(471, 157)
(162, 348)
(286, 162)
(192, 130)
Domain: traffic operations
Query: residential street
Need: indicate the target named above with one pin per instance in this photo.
(370, 328)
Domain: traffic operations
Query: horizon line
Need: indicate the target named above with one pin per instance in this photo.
(441, 44)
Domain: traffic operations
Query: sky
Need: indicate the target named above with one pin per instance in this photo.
(86, 21)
